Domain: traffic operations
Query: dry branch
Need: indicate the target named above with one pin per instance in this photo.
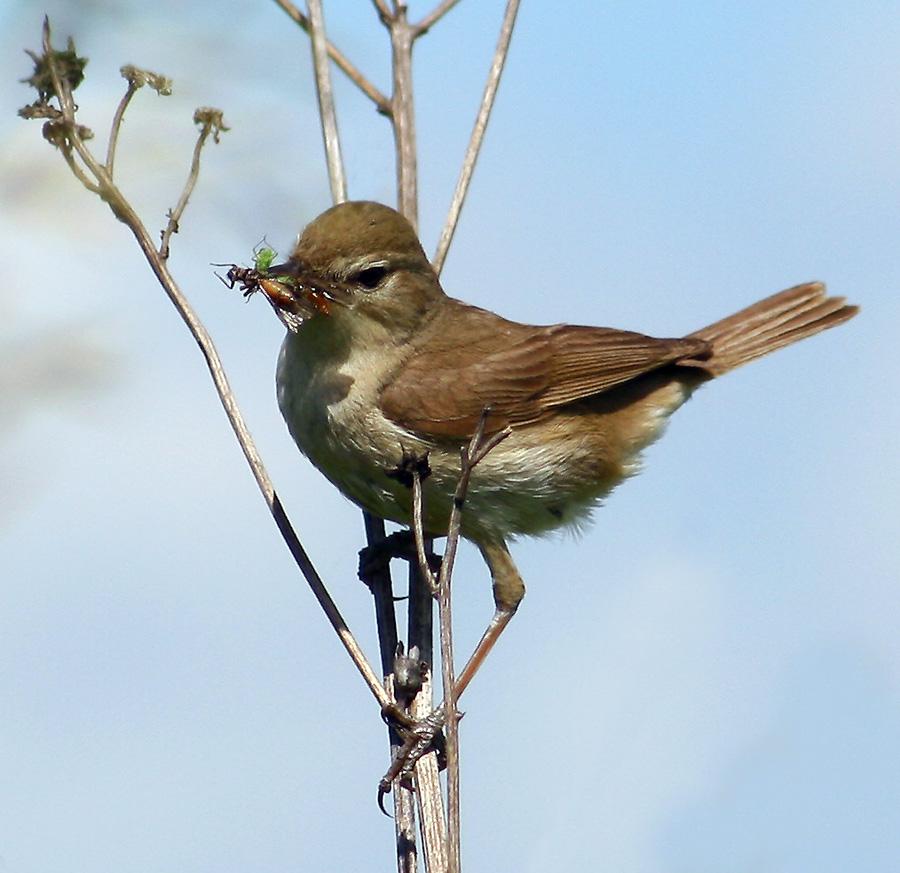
(66, 134)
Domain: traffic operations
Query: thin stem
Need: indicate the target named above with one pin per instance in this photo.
(384, 11)
(117, 124)
(404, 116)
(210, 121)
(79, 172)
(469, 457)
(380, 100)
(418, 524)
(475, 141)
(325, 94)
(422, 591)
(447, 714)
(433, 17)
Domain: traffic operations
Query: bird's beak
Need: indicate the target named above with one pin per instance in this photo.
(288, 268)
(297, 295)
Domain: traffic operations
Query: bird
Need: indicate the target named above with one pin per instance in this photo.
(380, 364)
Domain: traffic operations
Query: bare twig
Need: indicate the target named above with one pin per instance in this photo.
(211, 124)
(403, 113)
(440, 588)
(326, 102)
(117, 123)
(418, 526)
(422, 591)
(380, 100)
(433, 17)
(470, 456)
(384, 11)
(468, 167)
(136, 79)
(79, 173)
(67, 135)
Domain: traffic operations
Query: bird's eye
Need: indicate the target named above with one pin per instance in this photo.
(370, 277)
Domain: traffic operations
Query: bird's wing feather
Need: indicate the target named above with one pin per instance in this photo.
(521, 373)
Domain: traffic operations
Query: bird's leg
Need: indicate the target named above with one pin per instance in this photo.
(508, 593)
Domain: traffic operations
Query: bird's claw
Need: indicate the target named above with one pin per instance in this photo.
(419, 738)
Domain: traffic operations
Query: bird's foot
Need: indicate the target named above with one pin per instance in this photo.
(419, 738)
(411, 465)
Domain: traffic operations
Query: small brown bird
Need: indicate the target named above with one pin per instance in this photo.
(379, 362)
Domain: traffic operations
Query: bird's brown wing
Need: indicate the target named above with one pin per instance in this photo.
(521, 373)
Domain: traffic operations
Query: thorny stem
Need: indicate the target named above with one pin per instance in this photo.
(105, 187)
(477, 138)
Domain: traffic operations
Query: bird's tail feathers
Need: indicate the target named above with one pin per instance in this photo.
(771, 324)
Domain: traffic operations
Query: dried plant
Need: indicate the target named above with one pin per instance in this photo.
(405, 702)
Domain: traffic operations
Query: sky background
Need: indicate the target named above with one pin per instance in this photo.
(706, 681)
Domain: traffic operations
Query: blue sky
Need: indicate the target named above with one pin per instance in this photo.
(705, 681)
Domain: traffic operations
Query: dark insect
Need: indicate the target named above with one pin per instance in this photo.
(248, 278)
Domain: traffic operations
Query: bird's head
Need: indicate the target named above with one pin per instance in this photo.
(360, 265)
